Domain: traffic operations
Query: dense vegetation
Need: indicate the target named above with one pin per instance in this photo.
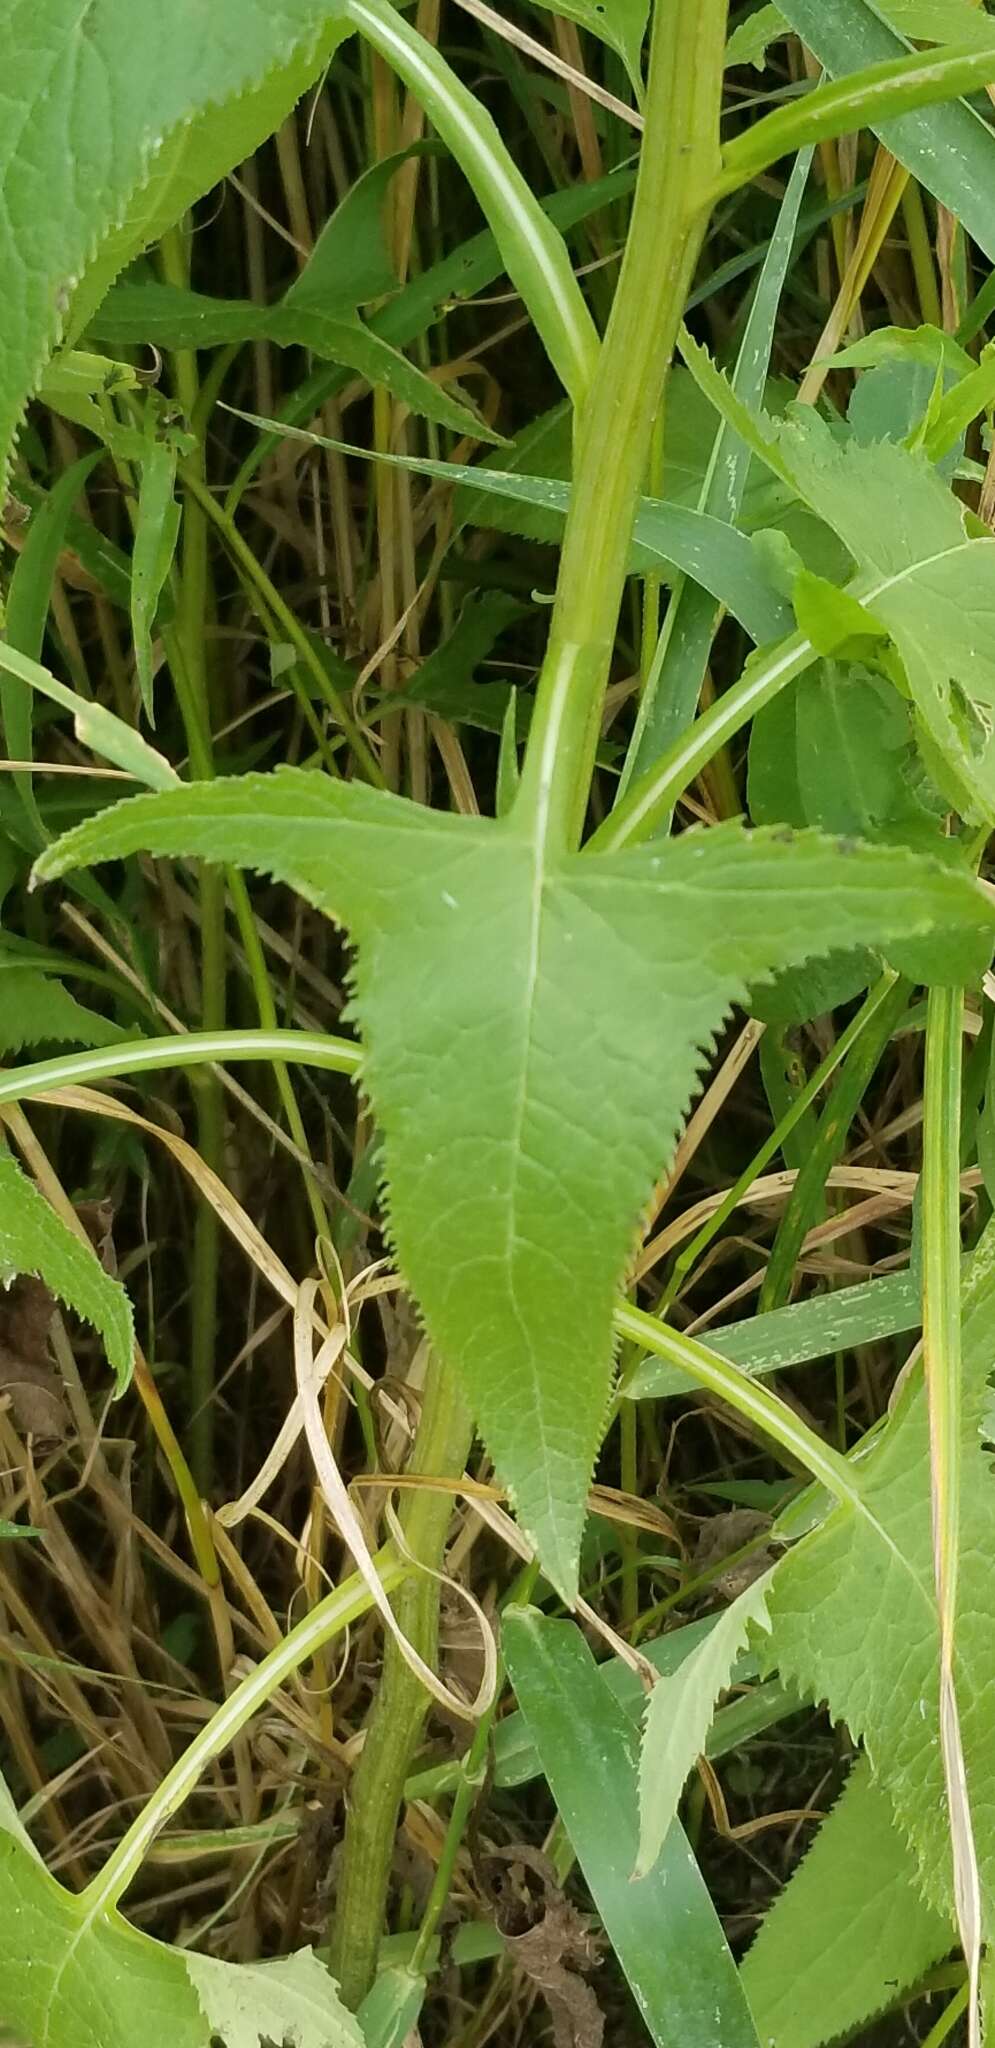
(496, 1191)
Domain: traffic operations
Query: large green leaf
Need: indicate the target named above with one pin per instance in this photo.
(872, 1577)
(505, 996)
(665, 1931)
(70, 1979)
(33, 1239)
(849, 1932)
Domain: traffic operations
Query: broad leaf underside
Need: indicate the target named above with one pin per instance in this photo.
(505, 1006)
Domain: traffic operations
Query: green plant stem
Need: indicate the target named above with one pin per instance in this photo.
(332, 1615)
(878, 1019)
(942, 1361)
(757, 1405)
(653, 795)
(680, 157)
(441, 1446)
(179, 1049)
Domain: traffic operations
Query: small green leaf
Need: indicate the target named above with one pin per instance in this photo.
(665, 1931)
(489, 1098)
(750, 41)
(33, 1239)
(157, 529)
(679, 1715)
(169, 317)
(850, 1931)
(35, 1009)
(834, 620)
(619, 23)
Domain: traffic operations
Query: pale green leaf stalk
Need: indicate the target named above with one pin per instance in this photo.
(73, 1971)
(943, 1371)
(878, 95)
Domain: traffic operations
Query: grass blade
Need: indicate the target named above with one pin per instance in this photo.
(665, 1931)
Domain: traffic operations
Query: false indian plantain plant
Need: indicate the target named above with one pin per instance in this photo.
(520, 993)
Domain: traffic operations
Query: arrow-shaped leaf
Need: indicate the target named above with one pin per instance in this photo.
(504, 996)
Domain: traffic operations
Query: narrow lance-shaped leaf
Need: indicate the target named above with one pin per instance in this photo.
(679, 1715)
(156, 533)
(502, 992)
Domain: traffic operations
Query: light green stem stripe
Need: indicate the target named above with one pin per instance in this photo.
(181, 1049)
(333, 1614)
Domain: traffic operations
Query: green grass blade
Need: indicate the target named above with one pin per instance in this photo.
(890, 1307)
(665, 1931)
